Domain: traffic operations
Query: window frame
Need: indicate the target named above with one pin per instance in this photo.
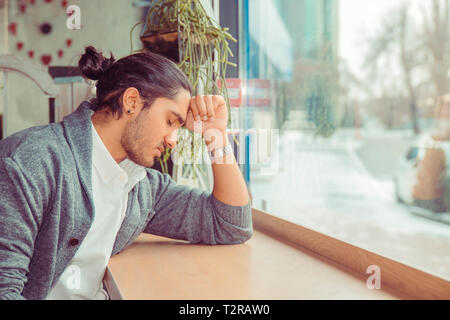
(405, 278)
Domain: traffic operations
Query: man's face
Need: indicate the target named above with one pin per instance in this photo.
(155, 128)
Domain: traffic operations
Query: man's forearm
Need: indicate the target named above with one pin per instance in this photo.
(229, 184)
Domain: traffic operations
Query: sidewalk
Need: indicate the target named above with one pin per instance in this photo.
(341, 187)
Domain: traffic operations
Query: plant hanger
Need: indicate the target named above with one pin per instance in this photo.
(182, 31)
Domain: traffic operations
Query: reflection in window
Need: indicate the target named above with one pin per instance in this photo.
(356, 92)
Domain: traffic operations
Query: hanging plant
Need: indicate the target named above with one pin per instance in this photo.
(182, 31)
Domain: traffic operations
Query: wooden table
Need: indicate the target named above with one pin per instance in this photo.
(261, 269)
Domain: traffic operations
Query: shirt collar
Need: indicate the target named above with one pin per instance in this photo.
(135, 173)
(106, 166)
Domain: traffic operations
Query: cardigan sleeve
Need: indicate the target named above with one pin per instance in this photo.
(20, 217)
(191, 214)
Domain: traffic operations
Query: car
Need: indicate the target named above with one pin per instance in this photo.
(422, 180)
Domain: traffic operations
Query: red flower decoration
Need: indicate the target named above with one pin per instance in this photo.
(60, 53)
(23, 8)
(13, 28)
(46, 59)
(69, 42)
(31, 54)
(64, 3)
(19, 45)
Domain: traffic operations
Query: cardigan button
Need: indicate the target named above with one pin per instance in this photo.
(74, 242)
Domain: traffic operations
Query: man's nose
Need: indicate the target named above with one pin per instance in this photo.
(171, 140)
(171, 144)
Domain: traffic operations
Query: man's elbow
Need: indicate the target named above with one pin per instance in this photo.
(246, 236)
(242, 236)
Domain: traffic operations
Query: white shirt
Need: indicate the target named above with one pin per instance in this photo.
(111, 183)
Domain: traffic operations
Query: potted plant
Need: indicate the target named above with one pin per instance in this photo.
(184, 32)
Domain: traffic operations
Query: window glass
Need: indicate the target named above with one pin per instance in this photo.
(347, 112)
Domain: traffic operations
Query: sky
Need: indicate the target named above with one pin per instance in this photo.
(360, 18)
(357, 18)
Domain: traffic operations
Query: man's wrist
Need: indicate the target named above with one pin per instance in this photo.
(218, 140)
(218, 155)
(219, 147)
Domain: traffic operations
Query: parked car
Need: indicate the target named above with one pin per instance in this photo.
(422, 180)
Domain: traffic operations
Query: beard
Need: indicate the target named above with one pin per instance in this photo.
(133, 142)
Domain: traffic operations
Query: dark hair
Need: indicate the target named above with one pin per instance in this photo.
(153, 75)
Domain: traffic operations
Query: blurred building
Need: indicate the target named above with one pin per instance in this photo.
(294, 45)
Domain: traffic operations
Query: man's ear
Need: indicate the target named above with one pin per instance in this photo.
(131, 101)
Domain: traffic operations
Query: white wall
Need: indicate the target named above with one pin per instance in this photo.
(105, 24)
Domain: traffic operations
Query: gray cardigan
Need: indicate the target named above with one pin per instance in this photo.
(46, 206)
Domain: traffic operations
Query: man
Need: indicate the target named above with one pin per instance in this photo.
(77, 192)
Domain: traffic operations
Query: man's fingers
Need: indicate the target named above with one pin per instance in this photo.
(194, 109)
(201, 105)
(220, 107)
(210, 108)
(218, 100)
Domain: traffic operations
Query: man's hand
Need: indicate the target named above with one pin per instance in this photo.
(229, 184)
(207, 114)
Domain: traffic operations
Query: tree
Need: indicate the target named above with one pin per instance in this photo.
(395, 45)
(435, 36)
(414, 38)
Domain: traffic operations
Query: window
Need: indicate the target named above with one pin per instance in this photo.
(347, 114)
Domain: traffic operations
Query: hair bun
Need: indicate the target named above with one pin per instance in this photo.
(93, 64)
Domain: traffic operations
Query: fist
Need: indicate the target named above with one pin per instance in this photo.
(207, 112)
